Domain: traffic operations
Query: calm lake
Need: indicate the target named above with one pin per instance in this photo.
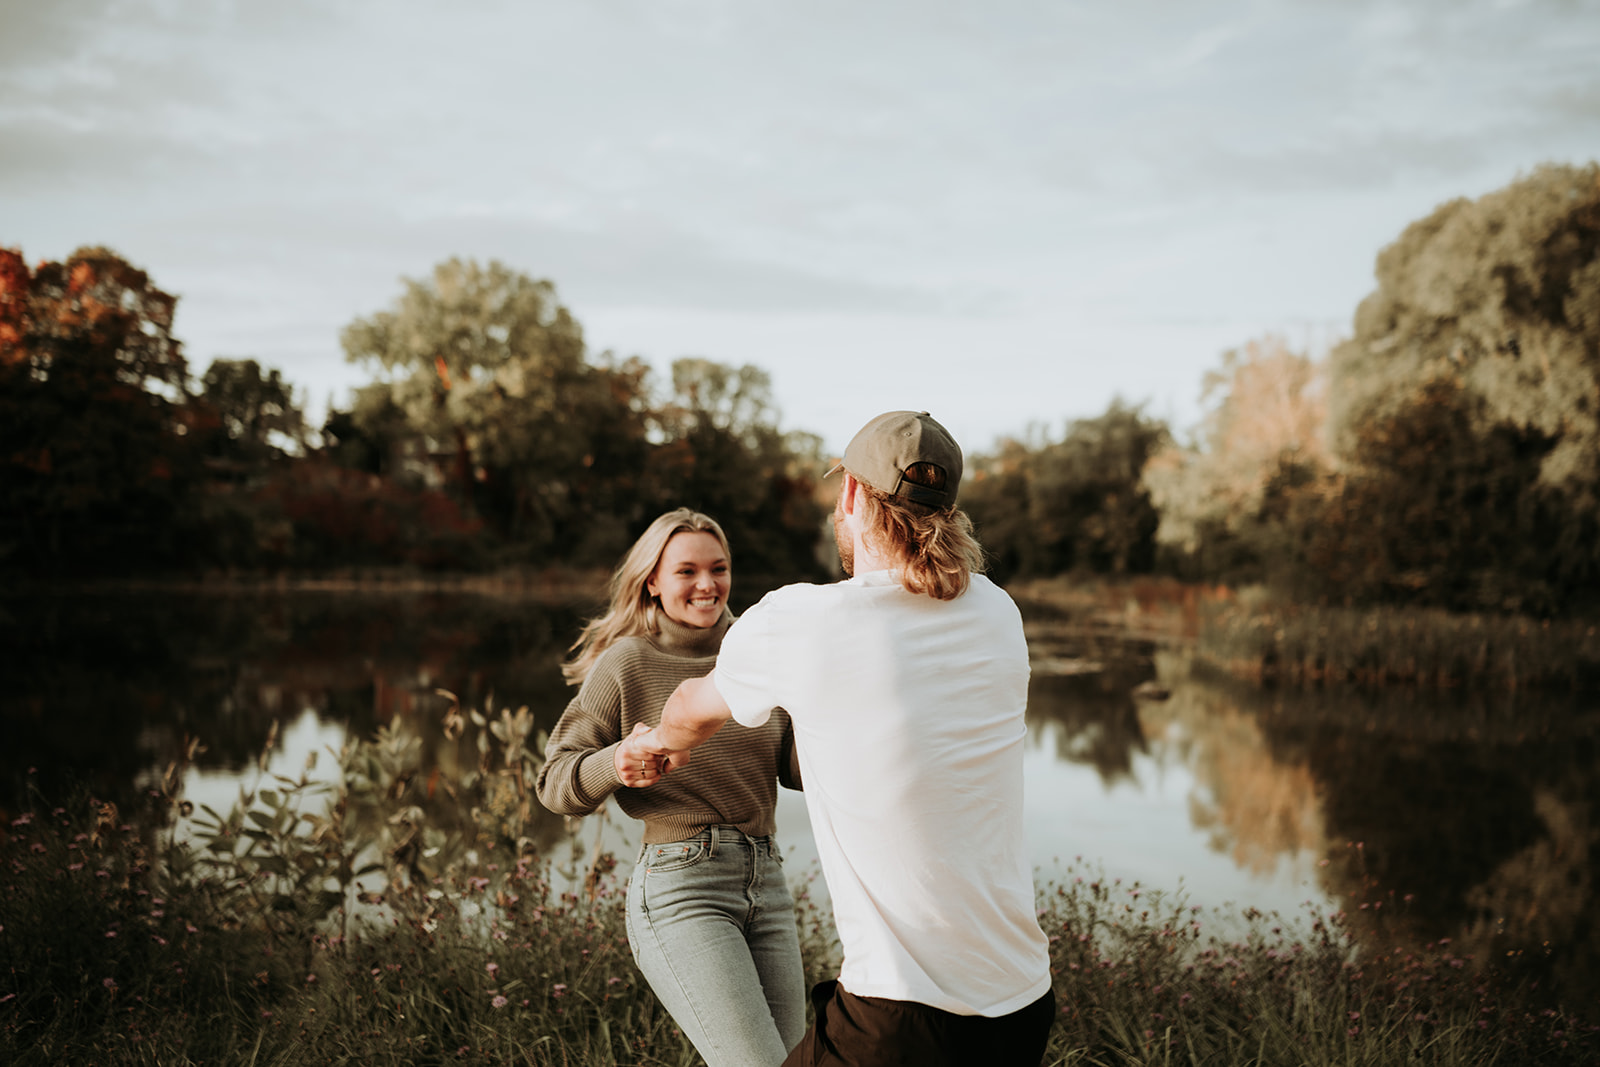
(1423, 815)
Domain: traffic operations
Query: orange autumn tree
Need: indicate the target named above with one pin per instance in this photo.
(1228, 499)
(95, 453)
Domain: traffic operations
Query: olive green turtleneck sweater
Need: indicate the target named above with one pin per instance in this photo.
(730, 782)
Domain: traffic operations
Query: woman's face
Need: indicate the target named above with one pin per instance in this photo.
(692, 579)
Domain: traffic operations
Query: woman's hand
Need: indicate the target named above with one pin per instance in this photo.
(637, 767)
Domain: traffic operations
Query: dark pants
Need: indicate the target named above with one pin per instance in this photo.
(852, 1031)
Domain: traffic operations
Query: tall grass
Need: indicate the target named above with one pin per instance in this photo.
(1253, 636)
(1390, 645)
(318, 924)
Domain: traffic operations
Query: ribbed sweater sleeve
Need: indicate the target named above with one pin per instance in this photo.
(732, 780)
(580, 769)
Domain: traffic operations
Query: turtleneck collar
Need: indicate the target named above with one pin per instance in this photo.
(676, 639)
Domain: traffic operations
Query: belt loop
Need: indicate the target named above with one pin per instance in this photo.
(713, 841)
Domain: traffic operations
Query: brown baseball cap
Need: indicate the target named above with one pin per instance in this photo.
(881, 451)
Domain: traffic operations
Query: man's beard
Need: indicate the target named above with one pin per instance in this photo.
(846, 544)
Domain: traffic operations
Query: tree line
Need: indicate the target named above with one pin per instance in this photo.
(487, 437)
(1447, 453)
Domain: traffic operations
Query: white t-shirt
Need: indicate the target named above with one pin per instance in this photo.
(908, 714)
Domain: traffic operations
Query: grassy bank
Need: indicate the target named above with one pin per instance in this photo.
(1412, 646)
(397, 911)
(118, 950)
(1251, 636)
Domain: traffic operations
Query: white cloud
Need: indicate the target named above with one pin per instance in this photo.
(1037, 183)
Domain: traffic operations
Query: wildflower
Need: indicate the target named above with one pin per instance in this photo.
(613, 980)
(191, 928)
(311, 979)
(22, 820)
(1354, 1016)
(1353, 1031)
(493, 968)
(36, 847)
(109, 983)
(157, 914)
(8, 996)
(499, 1001)
(265, 1014)
(74, 866)
(111, 933)
(557, 989)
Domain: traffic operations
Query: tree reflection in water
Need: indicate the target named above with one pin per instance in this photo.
(1427, 814)
(104, 688)
(1431, 815)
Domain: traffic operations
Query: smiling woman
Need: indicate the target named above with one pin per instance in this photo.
(710, 917)
(692, 580)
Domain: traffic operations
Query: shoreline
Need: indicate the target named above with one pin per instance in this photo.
(551, 584)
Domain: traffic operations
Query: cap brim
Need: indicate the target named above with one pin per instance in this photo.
(835, 469)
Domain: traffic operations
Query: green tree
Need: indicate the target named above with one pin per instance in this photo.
(1439, 507)
(1073, 504)
(489, 370)
(257, 412)
(1468, 401)
(721, 451)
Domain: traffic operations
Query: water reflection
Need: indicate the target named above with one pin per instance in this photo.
(1459, 815)
(1167, 789)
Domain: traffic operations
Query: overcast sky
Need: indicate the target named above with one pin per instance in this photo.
(1007, 213)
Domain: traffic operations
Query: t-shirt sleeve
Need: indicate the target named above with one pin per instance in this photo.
(747, 673)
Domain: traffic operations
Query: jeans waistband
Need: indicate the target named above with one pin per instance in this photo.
(721, 836)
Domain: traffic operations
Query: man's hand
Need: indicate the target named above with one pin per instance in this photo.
(670, 759)
(693, 714)
(637, 766)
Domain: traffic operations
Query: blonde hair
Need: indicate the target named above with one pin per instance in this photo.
(935, 547)
(632, 610)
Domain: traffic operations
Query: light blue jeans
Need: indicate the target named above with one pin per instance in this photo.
(711, 924)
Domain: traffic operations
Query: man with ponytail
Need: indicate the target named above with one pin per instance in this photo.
(907, 686)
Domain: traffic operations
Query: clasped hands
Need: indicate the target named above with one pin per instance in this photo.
(642, 760)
